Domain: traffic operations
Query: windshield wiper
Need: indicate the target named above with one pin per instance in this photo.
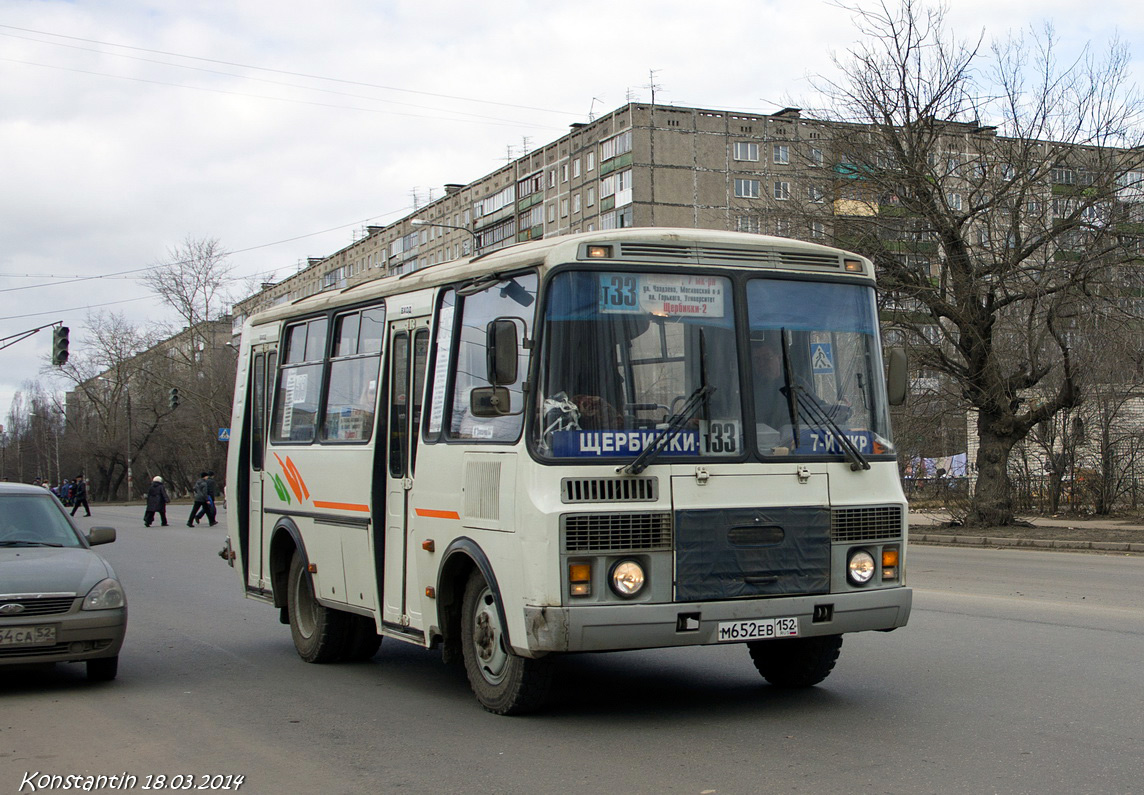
(22, 543)
(797, 396)
(674, 426)
(677, 420)
(819, 415)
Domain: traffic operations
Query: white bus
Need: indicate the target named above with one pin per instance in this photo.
(625, 439)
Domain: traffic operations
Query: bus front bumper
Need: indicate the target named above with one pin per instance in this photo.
(647, 626)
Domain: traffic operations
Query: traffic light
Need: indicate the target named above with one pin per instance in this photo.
(173, 397)
(59, 345)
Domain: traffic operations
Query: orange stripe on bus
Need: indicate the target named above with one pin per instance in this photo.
(429, 513)
(342, 506)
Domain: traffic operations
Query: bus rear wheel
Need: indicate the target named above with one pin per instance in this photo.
(504, 682)
(798, 662)
(321, 634)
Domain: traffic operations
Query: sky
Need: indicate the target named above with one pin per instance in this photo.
(282, 128)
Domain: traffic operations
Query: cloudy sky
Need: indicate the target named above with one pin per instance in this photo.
(282, 127)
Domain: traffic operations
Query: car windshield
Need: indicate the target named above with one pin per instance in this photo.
(629, 357)
(815, 369)
(29, 519)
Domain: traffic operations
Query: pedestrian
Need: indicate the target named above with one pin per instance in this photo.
(204, 491)
(79, 496)
(157, 500)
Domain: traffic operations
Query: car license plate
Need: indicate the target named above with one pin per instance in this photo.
(758, 629)
(28, 636)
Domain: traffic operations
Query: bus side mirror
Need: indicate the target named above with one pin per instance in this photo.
(896, 380)
(501, 351)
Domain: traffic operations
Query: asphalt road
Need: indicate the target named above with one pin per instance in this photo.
(1020, 671)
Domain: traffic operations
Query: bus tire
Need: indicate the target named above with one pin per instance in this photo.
(321, 634)
(364, 640)
(798, 662)
(504, 683)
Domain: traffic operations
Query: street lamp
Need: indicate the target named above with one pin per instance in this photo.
(476, 238)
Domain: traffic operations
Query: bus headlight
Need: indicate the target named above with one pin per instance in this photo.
(860, 567)
(627, 578)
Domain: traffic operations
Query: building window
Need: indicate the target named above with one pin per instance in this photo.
(815, 194)
(746, 188)
(552, 178)
(782, 227)
(563, 208)
(576, 168)
(564, 173)
(954, 200)
(745, 150)
(816, 157)
(817, 230)
(748, 223)
(782, 190)
(576, 203)
(781, 154)
(624, 188)
(591, 161)
(591, 197)
(616, 146)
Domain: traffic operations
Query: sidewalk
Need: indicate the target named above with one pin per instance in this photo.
(1047, 532)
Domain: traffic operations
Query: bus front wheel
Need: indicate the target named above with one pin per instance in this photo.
(798, 662)
(505, 683)
(321, 635)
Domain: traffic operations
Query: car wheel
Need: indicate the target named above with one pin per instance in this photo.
(102, 669)
(504, 683)
(321, 634)
(798, 662)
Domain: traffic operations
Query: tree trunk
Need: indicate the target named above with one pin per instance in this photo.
(992, 502)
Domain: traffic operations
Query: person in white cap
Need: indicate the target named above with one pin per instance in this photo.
(156, 502)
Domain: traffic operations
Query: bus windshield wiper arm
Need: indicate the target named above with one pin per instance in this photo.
(818, 414)
(674, 426)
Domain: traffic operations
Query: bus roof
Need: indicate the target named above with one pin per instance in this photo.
(560, 249)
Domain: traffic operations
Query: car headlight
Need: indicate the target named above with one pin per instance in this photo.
(860, 567)
(628, 578)
(106, 595)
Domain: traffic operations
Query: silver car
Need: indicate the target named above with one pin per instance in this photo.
(59, 600)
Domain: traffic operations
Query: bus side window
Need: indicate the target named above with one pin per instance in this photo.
(258, 411)
(300, 382)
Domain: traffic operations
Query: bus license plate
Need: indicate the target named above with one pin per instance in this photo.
(758, 629)
(27, 636)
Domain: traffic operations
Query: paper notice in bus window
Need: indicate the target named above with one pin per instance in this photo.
(661, 294)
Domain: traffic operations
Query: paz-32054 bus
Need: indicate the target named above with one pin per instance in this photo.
(626, 439)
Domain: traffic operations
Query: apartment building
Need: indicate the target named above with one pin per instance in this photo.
(640, 165)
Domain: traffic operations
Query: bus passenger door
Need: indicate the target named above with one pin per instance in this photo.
(408, 348)
(264, 362)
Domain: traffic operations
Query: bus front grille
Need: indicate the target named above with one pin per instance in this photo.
(574, 490)
(866, 524)
(606, 532)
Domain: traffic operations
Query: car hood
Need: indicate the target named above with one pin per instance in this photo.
(51, 570)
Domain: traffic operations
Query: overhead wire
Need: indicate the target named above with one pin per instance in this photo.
(288, 72)
(246, 77)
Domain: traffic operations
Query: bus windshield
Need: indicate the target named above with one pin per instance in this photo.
(629, 356)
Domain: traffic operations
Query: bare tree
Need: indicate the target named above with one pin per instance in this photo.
(194, 281)
(993, 187)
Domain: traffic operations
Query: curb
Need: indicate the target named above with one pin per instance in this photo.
(1026, 543)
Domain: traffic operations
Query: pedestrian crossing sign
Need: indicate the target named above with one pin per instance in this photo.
(821, 358)
(224, 434)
